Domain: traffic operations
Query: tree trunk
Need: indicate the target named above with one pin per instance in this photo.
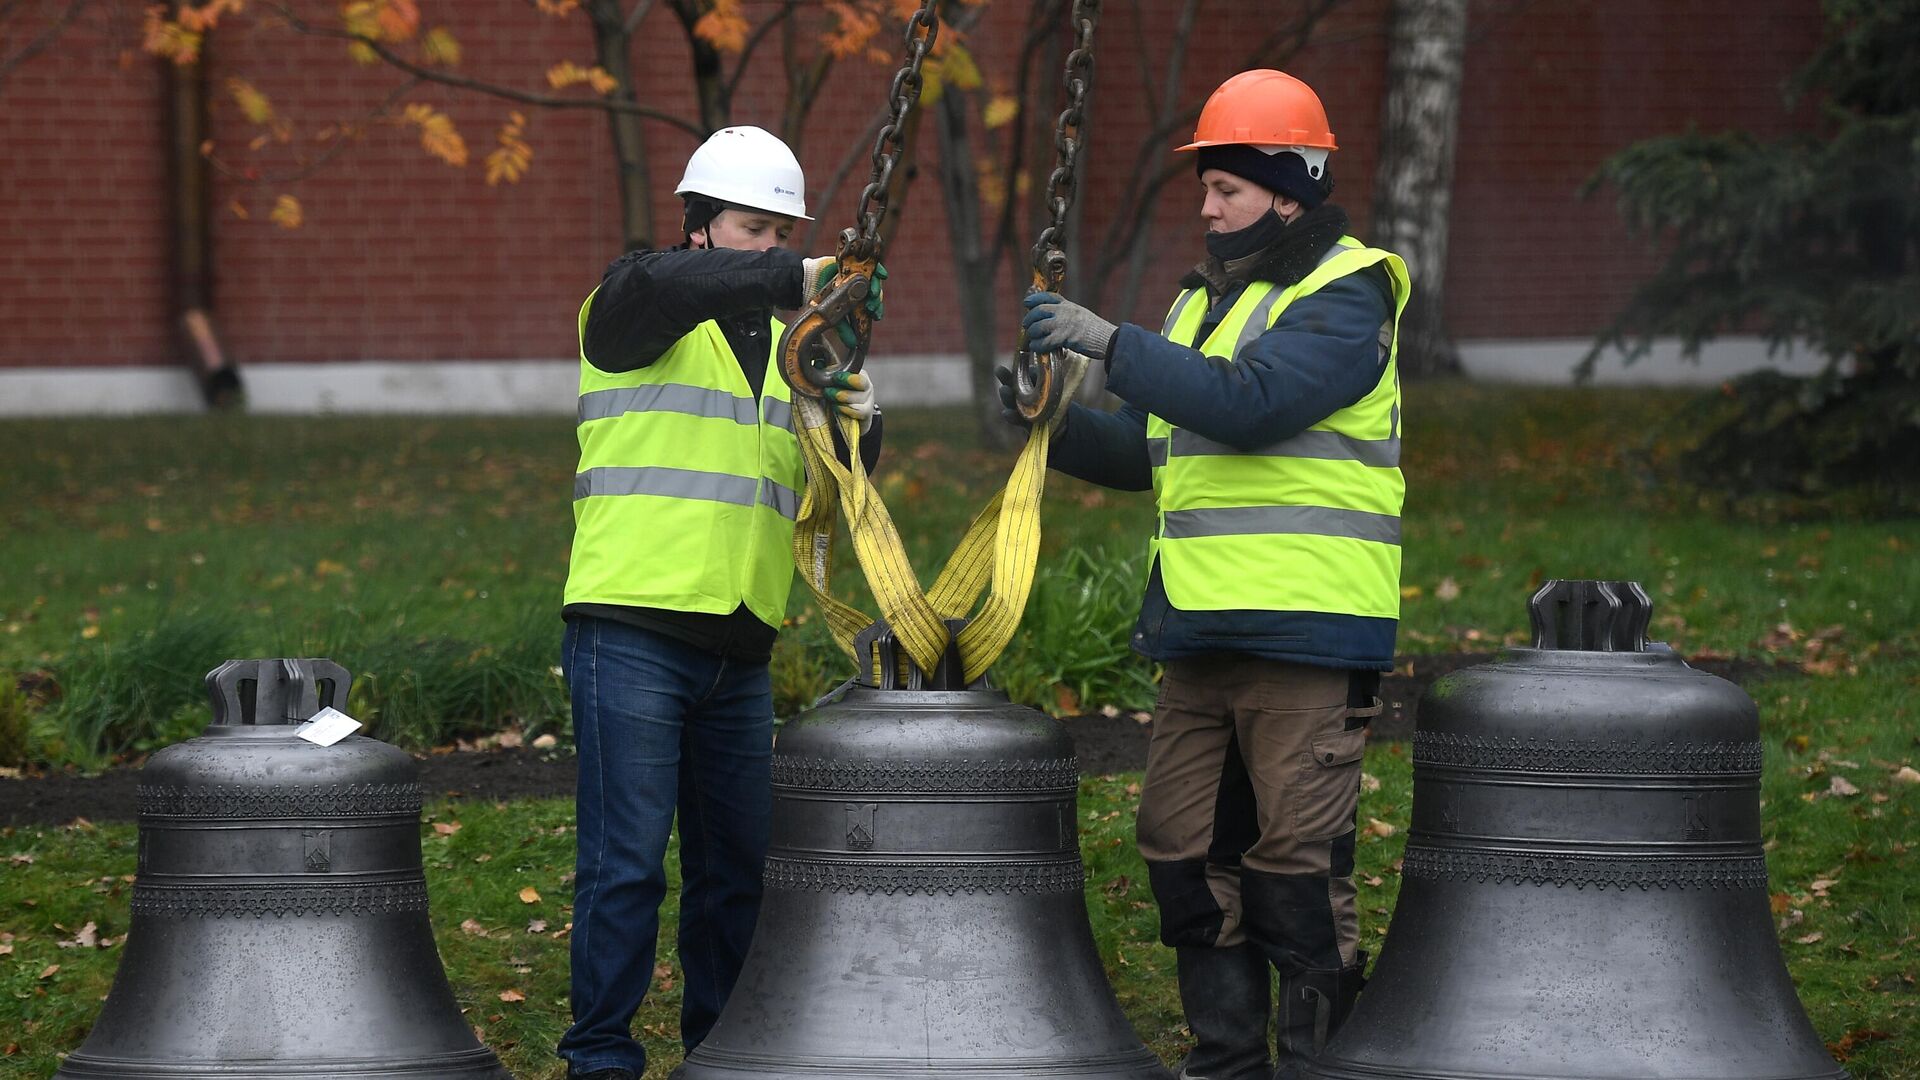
(709, 80)
(1413, 187)
(611, 44)
(196, 340)
(973, 264)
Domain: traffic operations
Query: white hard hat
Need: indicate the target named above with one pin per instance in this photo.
(750, 167)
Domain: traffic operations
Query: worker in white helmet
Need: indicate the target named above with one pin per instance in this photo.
(684, 503)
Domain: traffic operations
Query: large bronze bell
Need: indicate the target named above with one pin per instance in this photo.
(924, 914)
(1584, 892)
(280, 910)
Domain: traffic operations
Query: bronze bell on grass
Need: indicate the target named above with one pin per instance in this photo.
(280, 910)
(1584, 892)
(924, 914)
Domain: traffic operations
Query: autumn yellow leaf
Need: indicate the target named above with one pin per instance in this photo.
(287, 213)
(200, 18)
(1001, 110)
(852, 29)
(167, 39)
(1376, 827)
(253, 104)
(437, 134)
(512, 995)
(556, 8)
(723, 27)
(958, 67)
(440, 47)
(399, 19)
(446, 828)
(529, 895)
(509, 161)
(567, 73)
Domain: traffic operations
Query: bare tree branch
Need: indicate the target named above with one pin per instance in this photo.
(639, 15)
(447, 78)
(40, 44)
(855, 151)
(347, 131)
(1039, 29)
(753, 42)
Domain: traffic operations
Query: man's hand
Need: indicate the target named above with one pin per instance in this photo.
(851, 393)
(1054, 323)
(1010, 402)
(819, 274)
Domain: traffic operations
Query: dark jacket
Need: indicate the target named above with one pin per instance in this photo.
(1320, 357)
(648, 300)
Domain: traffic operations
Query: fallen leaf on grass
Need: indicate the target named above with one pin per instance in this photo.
(512, 995)
(49, 972)
(1448, 589)
(1840, 785)
(1374, 882)
(1843, 1049)
(1820, 886)
(545, 742)
(529, 895)
(21, 859)
(472, 926)
(537, 926)
(1376, 827)
(1907, 775)
(446, 828)
(1369, 782)
(1809, 939)
(87, 938)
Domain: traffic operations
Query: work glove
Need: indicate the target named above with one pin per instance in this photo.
(1054, 323)
(1010, 402)
(851, 394)
(819, 273)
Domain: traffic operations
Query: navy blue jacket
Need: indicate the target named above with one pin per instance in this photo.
(1322, 355)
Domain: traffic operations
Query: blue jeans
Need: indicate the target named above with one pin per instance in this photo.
(661, 726)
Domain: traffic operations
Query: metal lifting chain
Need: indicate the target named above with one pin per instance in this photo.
(809, 354)
(1036, 388)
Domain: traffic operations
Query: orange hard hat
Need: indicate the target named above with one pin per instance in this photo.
(1264, 107)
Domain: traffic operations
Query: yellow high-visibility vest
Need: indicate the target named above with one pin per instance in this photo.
(1310, 523)
(688, 485)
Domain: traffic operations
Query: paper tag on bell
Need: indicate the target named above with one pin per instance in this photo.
(327, 727)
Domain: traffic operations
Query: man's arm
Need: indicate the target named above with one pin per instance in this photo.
(1320, 357)
(649, 300)
(1109, 449)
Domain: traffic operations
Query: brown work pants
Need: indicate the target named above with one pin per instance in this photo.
(1247, 816)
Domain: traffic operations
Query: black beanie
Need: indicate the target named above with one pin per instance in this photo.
(1284, 173)
(700, 212)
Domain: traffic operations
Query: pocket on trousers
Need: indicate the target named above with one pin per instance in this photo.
(1326, 794)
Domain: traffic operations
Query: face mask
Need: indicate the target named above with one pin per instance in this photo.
(1228, 246)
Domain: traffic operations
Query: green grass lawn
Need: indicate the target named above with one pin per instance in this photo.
(428, 554)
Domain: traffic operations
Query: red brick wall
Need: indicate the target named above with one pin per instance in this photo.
(405, 258)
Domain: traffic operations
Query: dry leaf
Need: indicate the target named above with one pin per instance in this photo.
(1840, 785)
(512, 995)
(1369, 782)
(50, 970)
(472, 926)
(1448, 589)
(545, 742)
(529, 895)
(1376, 827)
(1809, 939)
(1907, 775)
(1374, 882)
(446, 828)
(537, 926)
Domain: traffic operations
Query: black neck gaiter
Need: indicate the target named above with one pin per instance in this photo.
(1228, 246)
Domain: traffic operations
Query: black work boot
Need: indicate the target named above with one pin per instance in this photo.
(1226, 993)
(1313, 1006)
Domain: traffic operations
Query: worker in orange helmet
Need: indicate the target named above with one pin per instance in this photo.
(1265, 416)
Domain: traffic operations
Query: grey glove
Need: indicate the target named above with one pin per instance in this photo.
(1054, 323)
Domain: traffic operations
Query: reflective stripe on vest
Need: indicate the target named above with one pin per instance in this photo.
(1308, 523)
(688, 486)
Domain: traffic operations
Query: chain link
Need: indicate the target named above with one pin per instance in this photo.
(891, 141)
(1049, 251)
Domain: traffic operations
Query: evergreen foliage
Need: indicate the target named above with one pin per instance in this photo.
(1813, 237)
